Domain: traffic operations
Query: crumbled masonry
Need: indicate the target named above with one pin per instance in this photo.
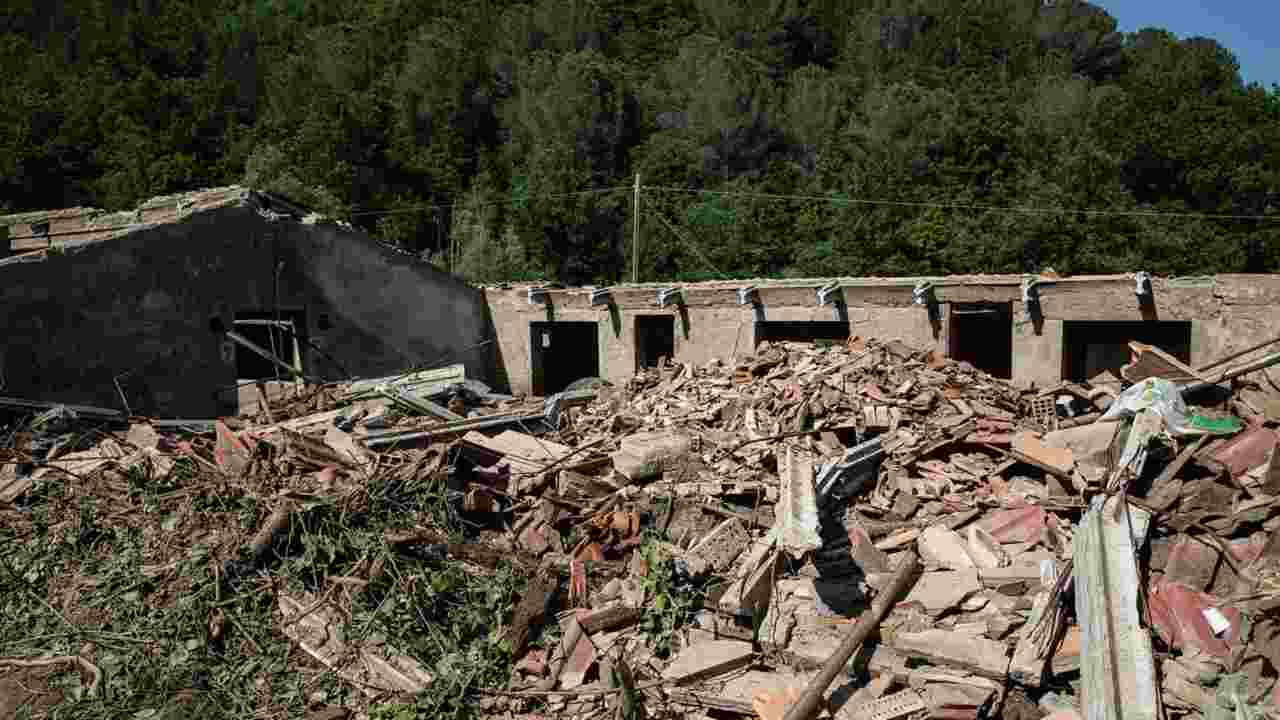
(702, 541)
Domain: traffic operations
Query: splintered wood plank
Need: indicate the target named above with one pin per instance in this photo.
(532, 609)
(1150, 361)
(1117, 669)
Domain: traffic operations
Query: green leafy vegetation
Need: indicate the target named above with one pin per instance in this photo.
(501, 139)
(134, 570)
(672, 599)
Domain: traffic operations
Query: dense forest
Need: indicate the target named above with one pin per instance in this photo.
(772, 137)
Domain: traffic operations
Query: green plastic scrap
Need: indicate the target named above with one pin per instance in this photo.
(1215, 426)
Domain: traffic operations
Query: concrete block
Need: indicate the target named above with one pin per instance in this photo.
(708, 659)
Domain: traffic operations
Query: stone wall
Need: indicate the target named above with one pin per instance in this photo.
(1227, 313)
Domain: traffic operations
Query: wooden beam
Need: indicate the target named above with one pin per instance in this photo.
(1117, 670)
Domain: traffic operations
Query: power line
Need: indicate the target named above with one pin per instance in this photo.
(1025, 210)
(419, 208)
(692, 246)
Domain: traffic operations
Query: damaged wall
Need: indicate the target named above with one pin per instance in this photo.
(709, 324)
(1226, 313)
(139, 308)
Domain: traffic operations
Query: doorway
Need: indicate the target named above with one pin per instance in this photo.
(655, 339)
(981, 334)
(563, 352)
(1090, 347)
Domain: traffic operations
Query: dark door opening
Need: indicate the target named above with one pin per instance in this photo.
(1089, 347)
(563, 352)
(655, 338)
(981, 334)
(285, 340)
(815, 331)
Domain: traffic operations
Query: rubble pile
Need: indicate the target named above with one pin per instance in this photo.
(862, 531)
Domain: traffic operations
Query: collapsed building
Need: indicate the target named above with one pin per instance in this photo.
(132, 311)
(148, 311)
(1040, 330)
(1037, 498)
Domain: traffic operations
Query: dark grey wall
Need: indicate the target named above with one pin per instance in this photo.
(141, 305)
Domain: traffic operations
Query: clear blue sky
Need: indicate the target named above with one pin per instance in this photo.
(1248, 28)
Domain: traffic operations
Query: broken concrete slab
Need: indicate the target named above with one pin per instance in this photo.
(940, 591)
(945, 548)
(1030, 449)
(983, 657)
(887, 661)
(1090, 446)
(649, 454)
(708, 659)
(752, 582)
(984, 549)
(717, 550)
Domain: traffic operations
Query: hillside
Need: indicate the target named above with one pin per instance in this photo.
(504, 138)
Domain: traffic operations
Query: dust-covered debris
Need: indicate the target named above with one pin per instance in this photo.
(420, 546)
